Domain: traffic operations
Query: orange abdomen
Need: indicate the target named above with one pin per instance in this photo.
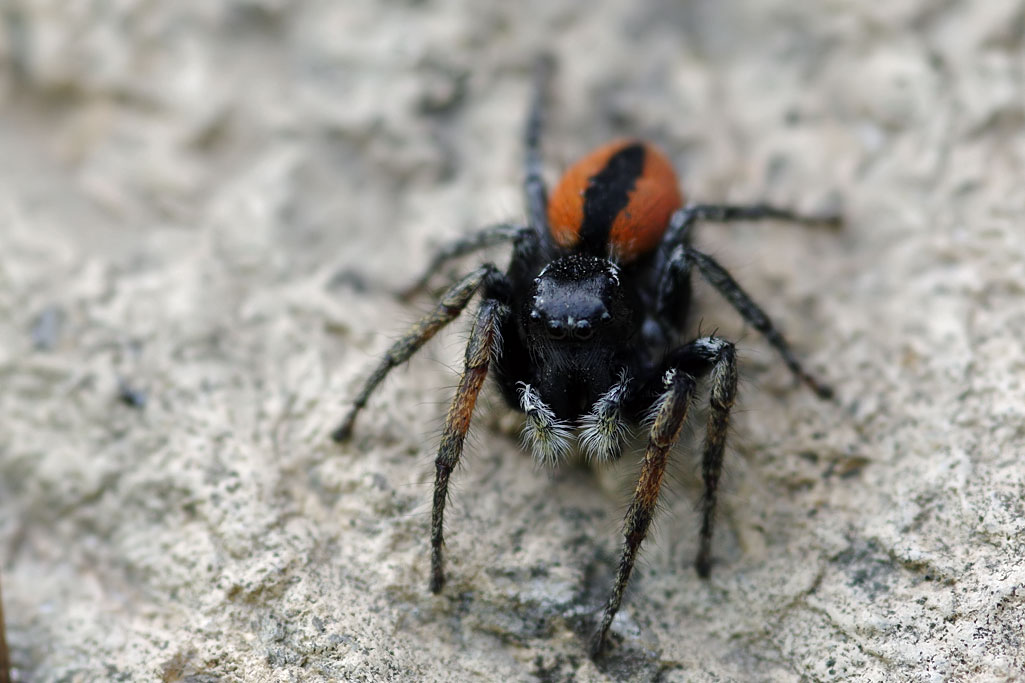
(615, 202)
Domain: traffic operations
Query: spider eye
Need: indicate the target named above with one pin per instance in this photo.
(584, 330)
(556, 330)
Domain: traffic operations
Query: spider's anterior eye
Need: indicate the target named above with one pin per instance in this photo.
(556, 330)
(584, 329)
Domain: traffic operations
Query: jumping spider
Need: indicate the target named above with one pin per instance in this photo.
(583, 330)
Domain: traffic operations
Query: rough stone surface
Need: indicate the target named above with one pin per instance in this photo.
(206, 208)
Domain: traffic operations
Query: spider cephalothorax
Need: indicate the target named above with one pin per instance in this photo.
(578, 318)
(584, 331)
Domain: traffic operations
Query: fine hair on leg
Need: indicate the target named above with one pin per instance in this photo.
(533, 183)
(447, 309)
(723, 392)
(672, 412)
(682, 221)
(678, 258)
(719, 277)
(483, 346)
(486, 237)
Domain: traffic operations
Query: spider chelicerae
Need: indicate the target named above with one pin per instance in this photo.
(583, 332)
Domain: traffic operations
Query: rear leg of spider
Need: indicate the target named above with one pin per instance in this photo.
(447, 309)
(483, 346)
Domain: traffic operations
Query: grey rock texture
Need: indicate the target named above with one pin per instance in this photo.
(206, 208)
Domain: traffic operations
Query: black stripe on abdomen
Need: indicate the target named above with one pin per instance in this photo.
(608, 193)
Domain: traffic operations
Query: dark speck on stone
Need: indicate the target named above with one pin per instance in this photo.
(130, 395)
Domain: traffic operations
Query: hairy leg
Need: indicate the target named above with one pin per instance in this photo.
(671, 414)
(672, 272)
(718, 277)
(448, 309)
(534, 184)
(673, 289)
(710, 356)
(487, 237)
(718, 358)
(483, 346)
(683, 220)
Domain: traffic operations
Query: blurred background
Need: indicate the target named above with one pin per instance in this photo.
(206, 209)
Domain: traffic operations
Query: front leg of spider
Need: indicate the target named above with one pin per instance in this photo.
(483, 346)
(716, 358)
(672, 413)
